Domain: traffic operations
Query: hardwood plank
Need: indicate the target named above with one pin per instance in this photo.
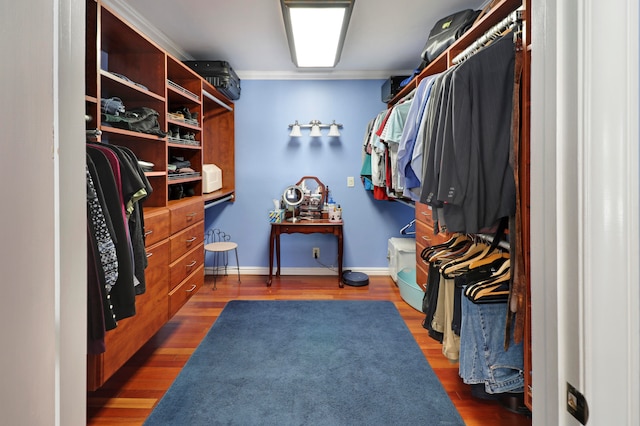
(130, 395)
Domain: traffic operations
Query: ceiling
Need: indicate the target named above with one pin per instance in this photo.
(384, 37)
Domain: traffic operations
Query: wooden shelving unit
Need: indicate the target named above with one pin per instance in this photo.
(124, 63)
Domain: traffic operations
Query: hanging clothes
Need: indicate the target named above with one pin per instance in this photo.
(116, 189)
(470, 177)
(408, 179)
(102, 267)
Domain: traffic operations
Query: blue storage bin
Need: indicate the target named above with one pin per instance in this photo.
(410, 291)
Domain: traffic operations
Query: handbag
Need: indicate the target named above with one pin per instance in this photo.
(143, 119)
(446, 31)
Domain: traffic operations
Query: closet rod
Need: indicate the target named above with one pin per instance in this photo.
(489, 239)
(219, 201)
(405, 202)
(216, 100)
(512, 18)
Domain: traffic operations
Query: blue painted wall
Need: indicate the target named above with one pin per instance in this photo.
(267, 161)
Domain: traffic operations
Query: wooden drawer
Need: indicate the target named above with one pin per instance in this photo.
(190, 286)
(181, 268)
(307, 229)
(186, 213)
(422, 274)
(131, 333)
(156, 225)
(424, 233)
(422, 267)
(423, 214)
(186, 240)
(157, 272)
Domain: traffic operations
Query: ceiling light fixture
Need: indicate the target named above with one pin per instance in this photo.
(316, 30)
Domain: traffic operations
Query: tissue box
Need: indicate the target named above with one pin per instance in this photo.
(276, 216)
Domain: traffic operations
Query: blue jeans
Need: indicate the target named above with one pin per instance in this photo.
(483, 358)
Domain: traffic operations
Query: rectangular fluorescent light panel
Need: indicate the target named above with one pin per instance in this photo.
(316, 32)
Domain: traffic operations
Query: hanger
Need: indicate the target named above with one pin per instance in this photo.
(491, 293)
(503, 268)
(489, 259)
(452, 252)
(427, 251)
(404, 231)
(455, 244)
(490, 288)
(476, 251)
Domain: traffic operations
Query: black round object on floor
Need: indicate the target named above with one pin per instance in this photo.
(355, 279)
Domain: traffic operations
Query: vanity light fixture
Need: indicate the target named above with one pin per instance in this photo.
(315, 126)
(316, 30)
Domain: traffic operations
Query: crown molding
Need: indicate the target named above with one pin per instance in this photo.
(135, 19)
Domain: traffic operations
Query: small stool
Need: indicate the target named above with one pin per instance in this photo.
(218, 243)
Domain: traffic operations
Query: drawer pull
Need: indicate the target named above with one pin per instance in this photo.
(149, 232)
(191, 215)
(192, 264)
(192, 239)
(149, 254)
(425, 238)
(424, 214)
(193, 287)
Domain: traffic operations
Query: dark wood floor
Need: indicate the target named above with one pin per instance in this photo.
(130, 395)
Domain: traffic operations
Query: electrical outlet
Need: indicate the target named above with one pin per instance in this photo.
(350, 181)
(316, 252)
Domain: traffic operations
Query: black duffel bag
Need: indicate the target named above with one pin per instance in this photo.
(446, 31)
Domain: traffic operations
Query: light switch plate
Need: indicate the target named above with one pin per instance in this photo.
(350, 181)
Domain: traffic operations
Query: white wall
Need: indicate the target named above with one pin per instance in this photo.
(584, 209)
(42, 218)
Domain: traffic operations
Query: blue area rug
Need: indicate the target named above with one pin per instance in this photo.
(307, 363)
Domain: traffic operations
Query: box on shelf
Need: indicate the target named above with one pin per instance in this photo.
(211, 178)
(410, 291)
(401, 253)
(391, 87)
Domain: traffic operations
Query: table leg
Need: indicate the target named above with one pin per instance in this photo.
(277, 237)
(340, 283)
(271, 238)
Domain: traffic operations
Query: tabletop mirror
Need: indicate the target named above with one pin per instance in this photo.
(307, 197)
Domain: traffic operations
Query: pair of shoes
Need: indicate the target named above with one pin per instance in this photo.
(174, 132)
(185, 112)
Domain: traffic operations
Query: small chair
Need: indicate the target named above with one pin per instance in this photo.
(218, 243)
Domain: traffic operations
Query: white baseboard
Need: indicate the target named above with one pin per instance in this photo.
(258, 270)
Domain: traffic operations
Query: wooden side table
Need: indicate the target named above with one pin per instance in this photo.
(305, 226)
